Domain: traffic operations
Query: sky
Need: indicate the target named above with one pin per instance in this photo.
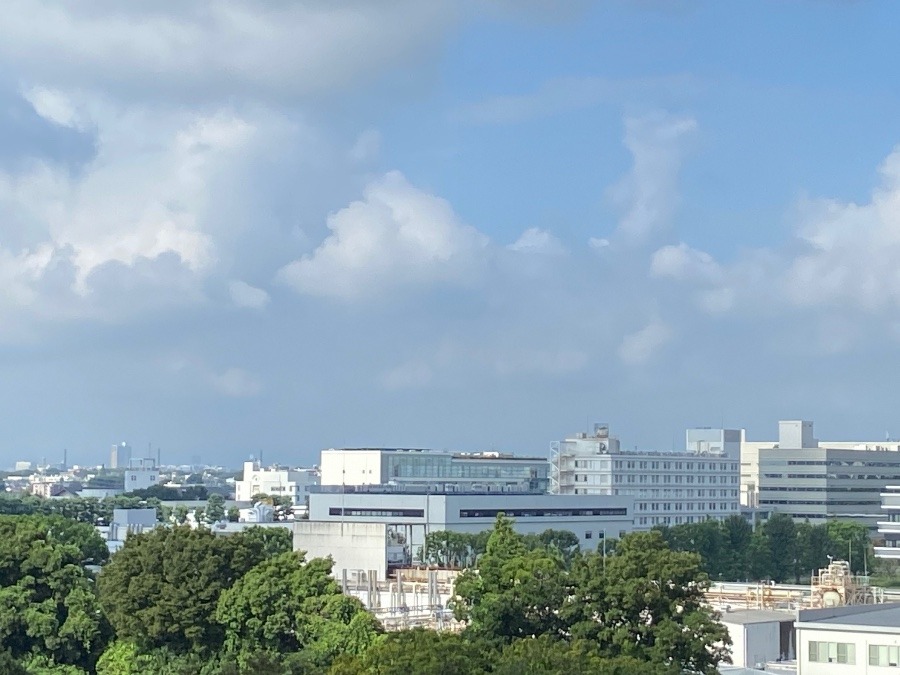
(232, 228)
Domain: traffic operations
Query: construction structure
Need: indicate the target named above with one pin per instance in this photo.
(413, 597)
(832, 586)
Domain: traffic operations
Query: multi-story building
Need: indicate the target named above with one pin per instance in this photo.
(849, 640)
(275, 482)
(889, 527)
(808, 481)
(668, 488)
(120, 456)
(438, 470)
(374, 527)
(797, 434)
(141, 474)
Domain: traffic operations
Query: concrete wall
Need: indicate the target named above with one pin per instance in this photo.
(753, 643)
(351, 467)
(353, 546)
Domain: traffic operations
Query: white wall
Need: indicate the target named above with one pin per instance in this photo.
(753, 643)
(351, 467)
(352, 545)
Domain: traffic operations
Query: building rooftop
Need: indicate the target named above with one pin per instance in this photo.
(484, 455)
(880, 616)
(746, 616)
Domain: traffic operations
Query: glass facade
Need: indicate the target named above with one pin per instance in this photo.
(530, 474)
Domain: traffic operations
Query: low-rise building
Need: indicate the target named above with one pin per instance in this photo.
(849, 640)
(275, 482)
(760, 636)
(141, 474)
(668, 488)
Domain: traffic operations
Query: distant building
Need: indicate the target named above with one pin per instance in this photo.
(668, 488)
(23, 466)
(889, 525)
(794, 434)
(120, 456)
(437, 469)
(377, 527)
(810, 481)
(126, 522)
(293, 483)
(141, 474)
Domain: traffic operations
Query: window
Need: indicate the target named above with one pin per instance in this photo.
(884, 655)
(378, 513)
(833, 652)
(588, 535)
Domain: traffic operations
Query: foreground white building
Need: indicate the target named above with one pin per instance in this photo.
(849, 640)
(276, 482)
(668, 488)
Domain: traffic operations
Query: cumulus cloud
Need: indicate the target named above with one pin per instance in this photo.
(648, 195)
(536, 240)
(683, 262)
(639, 347)
(212, 49)
(396, 235)
(56, 107)
(247, 296)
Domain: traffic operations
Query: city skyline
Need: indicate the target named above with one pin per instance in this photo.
(448, 224)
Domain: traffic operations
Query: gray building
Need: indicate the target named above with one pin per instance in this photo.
(817, 483)
(120, 456)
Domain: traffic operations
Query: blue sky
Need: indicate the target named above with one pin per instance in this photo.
(228, 227)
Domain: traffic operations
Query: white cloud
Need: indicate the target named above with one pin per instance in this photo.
(683, 262)
(397, 235)
(236, 383)
(536, 240)
(56, 107)
(247, 296)
(598, 243)
(639, 347)
(648, 196)
(211, 49)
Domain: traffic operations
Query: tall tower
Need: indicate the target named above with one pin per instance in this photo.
(120, 456)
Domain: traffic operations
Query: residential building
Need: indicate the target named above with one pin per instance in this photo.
(808, 481)
(126, 522)
(375, 527)
(849, 640)
(889, 526)
(668, 488)
(440, 470)
(141, 474)
(275, 482)
(797, 434)
(120, 456)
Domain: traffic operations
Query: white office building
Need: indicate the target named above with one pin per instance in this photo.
(376, 527)
(438, 470)
(275, 482)
(807, 480)
(849, 640)
(141, 474)
(793, 434)
(668, 488)
(889, 525)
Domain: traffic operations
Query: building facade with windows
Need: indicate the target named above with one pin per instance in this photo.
(668, 488)
(141, 474)
(808, 481)
(849, 640)
(439, 470)
(409, 514)
(275, 482)
(889, 525)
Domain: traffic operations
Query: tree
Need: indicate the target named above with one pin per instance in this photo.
(48, 609)
(813, 547)
(215, 509)
(416, 651)
(737, 536)
(286, 605)
(646, 602)
(780, 533)
(546, 656)
(515, 593)
(234, 514)
(851, 542)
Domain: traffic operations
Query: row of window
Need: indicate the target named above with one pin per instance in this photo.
(840, 462)
(832, 652)
(829, 488)
(377, 513)
(689, 506)
(819, 502)
(884, 655)
(832, 476)
(549, 513)
(692, 466)
(666, 479)
(677, 520)
(678, 493)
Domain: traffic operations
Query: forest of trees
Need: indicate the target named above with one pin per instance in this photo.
(186, 601)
